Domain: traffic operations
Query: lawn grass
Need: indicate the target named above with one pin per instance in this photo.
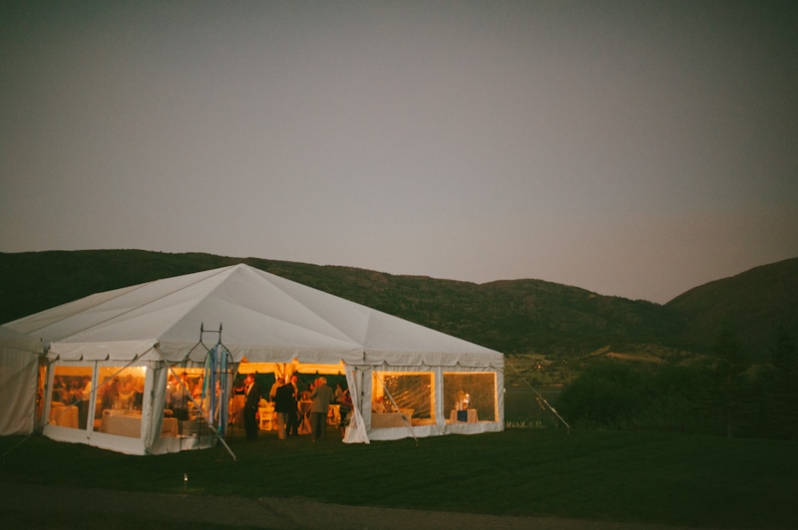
(97, 521)
(645, 477)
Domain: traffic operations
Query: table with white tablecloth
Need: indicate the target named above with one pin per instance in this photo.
(63, 415)
(385, 420)
(304, 407)
(128, 423)
(169, 427)
(471, 416)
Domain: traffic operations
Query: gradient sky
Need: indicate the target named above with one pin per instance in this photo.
(636, 149)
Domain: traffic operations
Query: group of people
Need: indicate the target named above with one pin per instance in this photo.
(70, 389)
(286, 396)
(123, 391)
(74, 390)
(177, 392)
(184, 392)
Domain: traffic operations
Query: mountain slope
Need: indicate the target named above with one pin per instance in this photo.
(519, 316)
(755, 303)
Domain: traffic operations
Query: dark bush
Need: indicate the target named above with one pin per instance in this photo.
(607, 394)
(625, 396)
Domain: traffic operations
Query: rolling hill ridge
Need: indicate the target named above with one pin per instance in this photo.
(755, 303)
(516, 317)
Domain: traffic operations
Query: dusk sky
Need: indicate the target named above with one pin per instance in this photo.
(635, 149)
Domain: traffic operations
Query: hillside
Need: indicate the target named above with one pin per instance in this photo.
(755, 303)
(515, 317)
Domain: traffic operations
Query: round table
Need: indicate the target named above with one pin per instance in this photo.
(304, 411)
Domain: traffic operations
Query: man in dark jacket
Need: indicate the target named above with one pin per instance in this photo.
(284, 404)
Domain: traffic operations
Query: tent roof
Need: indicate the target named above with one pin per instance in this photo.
(263, 318)
(13, 340)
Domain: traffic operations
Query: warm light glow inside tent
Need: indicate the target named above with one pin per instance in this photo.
(130, 369)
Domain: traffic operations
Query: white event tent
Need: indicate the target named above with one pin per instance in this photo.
(149, 334)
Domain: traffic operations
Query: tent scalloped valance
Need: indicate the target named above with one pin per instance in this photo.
(108, 351)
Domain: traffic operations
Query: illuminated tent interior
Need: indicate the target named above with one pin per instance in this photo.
(114, 358)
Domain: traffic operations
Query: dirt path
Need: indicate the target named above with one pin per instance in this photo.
(271, 513)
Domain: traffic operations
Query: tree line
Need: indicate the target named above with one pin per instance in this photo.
(722, 393)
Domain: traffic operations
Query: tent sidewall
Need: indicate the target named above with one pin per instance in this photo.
(19, 373)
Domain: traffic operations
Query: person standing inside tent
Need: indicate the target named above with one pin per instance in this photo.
(293, 416)
(284, 404)
(239, 398)
(126, 392)
(273, 390)
(251, 407)
(178, 398)
(321, 396)
(346, 409)
(83, 406)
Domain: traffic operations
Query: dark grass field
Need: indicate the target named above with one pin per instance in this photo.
(642, 477)
(18, 520)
